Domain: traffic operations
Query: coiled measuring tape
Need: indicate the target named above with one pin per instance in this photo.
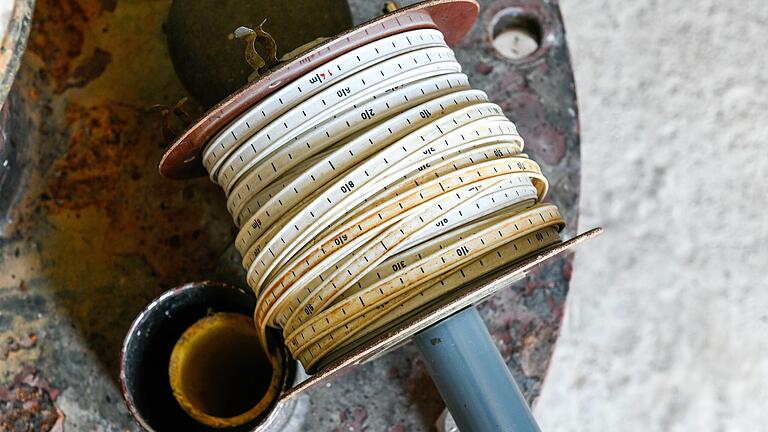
(372, 186)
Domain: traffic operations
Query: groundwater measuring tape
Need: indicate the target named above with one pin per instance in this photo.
(372, 186)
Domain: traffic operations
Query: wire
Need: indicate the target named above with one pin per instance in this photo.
(371, 187)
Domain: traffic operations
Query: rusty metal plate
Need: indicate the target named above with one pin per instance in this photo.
(92, 232)
(15, 17)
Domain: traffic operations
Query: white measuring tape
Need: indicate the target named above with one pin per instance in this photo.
(370, 188)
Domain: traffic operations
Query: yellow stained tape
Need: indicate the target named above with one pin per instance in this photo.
(372, 187)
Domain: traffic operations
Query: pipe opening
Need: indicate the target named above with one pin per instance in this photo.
(515, 35)
(150, 343)
(219, 373)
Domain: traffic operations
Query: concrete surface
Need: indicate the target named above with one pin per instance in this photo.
(666, 327)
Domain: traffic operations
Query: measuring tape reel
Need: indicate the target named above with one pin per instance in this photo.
(375, 192)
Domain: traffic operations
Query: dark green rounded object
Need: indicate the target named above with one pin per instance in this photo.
(211, 64)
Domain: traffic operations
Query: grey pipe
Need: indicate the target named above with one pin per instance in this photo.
(472, 377)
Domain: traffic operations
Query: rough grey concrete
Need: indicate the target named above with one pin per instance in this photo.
(666, 327)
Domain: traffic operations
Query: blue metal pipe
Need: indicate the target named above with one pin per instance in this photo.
(472, 377)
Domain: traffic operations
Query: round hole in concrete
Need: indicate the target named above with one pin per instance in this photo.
(514, 34)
